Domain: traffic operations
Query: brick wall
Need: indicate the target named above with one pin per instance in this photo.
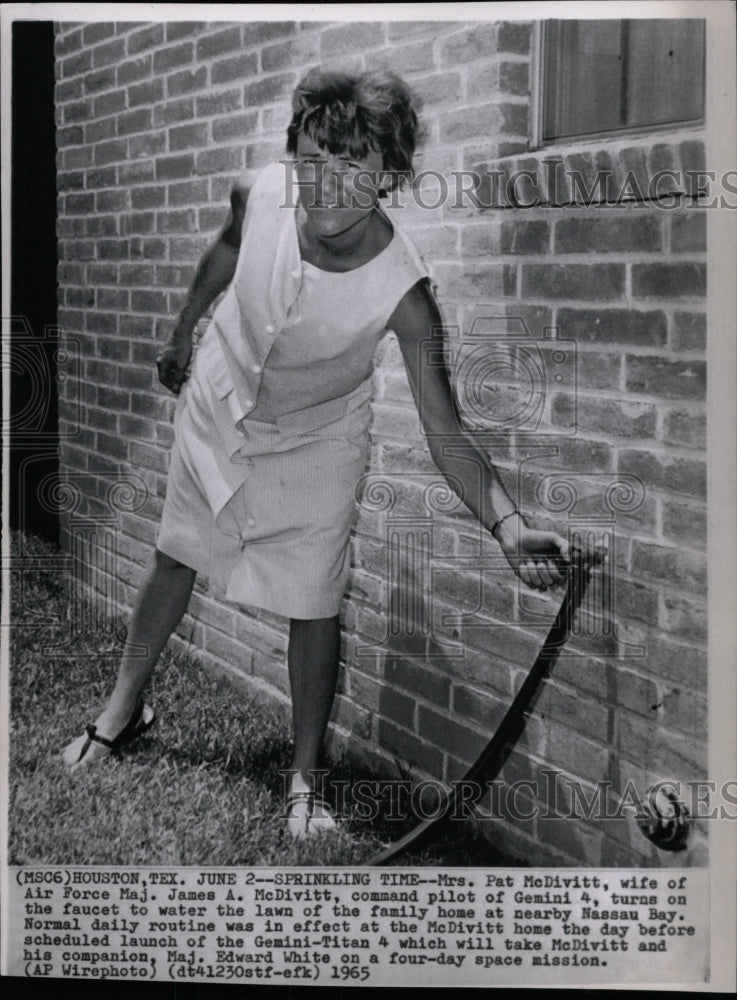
(154, 121)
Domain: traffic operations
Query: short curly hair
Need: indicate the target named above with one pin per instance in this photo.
(357, 113)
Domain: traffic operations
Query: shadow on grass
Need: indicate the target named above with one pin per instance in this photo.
(201, 787)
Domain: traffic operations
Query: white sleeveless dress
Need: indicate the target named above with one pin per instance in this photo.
(271, 430)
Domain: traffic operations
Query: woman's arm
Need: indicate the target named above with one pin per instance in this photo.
(213, 275)
(536, 556)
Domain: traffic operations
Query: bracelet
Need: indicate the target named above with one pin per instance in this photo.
(498, 523)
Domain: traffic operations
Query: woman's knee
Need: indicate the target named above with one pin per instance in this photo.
(166, 563)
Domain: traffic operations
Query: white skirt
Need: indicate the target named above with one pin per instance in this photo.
(280, 538)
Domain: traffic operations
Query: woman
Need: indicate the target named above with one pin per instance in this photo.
(271, 432)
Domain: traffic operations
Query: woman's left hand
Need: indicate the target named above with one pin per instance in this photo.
(539, 558)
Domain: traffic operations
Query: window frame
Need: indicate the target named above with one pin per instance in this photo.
(537, 94)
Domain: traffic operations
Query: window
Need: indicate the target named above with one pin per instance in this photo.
(603, 77)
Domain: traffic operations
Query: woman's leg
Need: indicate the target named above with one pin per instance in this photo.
(162, 599)
(313, 656)
(314, 652)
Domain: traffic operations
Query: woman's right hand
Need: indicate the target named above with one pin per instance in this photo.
(172, 361)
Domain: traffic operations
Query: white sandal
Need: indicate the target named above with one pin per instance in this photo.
(308, 814)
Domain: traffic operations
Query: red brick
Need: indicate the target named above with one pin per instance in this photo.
(668, 281)
(187, 136)
(137, 223)
(111, 52)
(146, 456)
(113, 298)
(449, 735)
(113, 446)
(69, 41)
(618, 326)
(212, 161)
(99, 79)
(466, 123)
(688, 232)
(145, 39)
(147, 144)
(404, 29)
(397, 707)
(73, 135)
(188, 193)
(96, 131)
(173, 57)
(134, 173)
(101, 225)
(689, 331)
(186, 81)
(188, 247)
(174, 167)
(148, 301)
(79, 203)
(238, 67)
(78, 63)
(415, 58)
(77, 111)
(102, 274)
(184, 29)
(478, 706)
(681, 520)
(180, 110)
(528, 237)
(412, 676)
(134, 69)
(92, 33)
(514, 78)
(294, 52)
(349, 38)
(667, 753)
(683, 427)
(684, 616)
(662, 377)
(677, 566)
(134, 121)
(685, 712)
(679, 475)
(460, 281)
(227, 40)
(234, 126)
(70, 181)
(478, 42)
(608, 235)
(112, 250)
(148, 197)
(636, 693)
(214, 104)
(573, 281)
(407, 747)
(146, 93)
(257, 32)
(136, 274)
(268, 90)
(513, 36)
(607, 416)
(101, 322)
(181, 221)
(109, 104)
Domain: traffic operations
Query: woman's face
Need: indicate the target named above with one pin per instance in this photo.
(336, 191)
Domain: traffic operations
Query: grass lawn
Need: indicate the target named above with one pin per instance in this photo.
(201, 787)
